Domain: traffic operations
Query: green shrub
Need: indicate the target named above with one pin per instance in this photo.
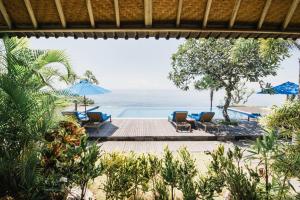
(186, 174)
(169, 171)
(285, 119)
(241, 182)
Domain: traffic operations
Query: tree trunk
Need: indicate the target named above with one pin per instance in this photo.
(83, 190)
(211, 99)
(226, 105)
(172, 191)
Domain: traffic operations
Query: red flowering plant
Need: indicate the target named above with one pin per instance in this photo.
(58, 151)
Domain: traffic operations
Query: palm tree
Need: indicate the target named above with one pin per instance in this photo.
(88, 75)
(35, 68)
(26, 112)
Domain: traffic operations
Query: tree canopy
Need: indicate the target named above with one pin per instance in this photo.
(226, 62)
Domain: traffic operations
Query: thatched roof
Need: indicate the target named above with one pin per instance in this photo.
(150, 18)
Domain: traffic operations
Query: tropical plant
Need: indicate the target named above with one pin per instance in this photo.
(162, 192)
(264, 150)
(26, 113)
(140, 173)
(119, 179)
(226, 62)
(57, 155)
(88, 75)
(154, 171)
(84, 167)
(284, 119)
(208, 185)
(186, 174)
(169, 171)
(241, 182)
(286, 165)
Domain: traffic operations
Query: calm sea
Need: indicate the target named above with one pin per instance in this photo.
(175, 98)
(160, 103)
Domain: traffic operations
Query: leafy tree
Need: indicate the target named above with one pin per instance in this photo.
(88, 75)
(226, 62)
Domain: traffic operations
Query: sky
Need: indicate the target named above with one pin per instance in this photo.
(137, 64)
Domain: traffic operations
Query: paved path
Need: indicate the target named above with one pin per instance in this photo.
(162, 130)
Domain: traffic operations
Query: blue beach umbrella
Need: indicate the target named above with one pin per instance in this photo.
(84, 88)
(287, 88)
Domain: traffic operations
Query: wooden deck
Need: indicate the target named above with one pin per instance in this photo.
(162, 130)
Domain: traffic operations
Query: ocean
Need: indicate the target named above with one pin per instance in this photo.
(160, 103)
(176, 98)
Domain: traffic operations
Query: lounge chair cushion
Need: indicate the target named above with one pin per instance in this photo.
(200, 116)
(196, 116)
(80, 115)
(98, 116)
(173, 115)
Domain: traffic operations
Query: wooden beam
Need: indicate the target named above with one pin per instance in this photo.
(205, 19)
(31, 13)
(61, 13)
(234, 12)
(264, 13)
(153, 30)
(148, 12)
(290, 14)
(5, 15)
(117, 12)
(90, 11)
(179, 13)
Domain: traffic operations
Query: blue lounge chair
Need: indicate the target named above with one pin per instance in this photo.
(205, 119)
(98, 117)
(253, 116)
(81, 117)
(178, 119)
